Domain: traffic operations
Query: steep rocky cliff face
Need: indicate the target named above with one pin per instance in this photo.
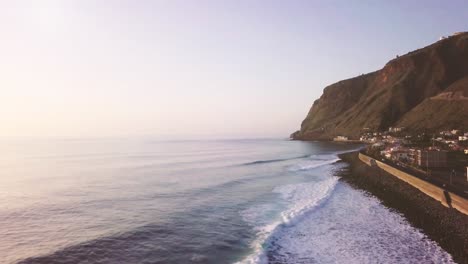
(423, 90)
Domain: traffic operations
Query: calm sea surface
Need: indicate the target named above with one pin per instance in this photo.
(148, 201)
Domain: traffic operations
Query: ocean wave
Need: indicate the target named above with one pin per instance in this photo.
(273, 160)
(304, 197)
(301, 198)
(353, 228)
(312, 164)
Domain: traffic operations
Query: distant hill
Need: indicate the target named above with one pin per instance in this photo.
(424, 90)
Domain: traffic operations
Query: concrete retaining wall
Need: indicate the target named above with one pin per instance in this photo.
(457, 202)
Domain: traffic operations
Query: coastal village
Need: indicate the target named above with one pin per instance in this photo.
(440, 158)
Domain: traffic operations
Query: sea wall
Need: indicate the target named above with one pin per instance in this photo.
(447, 226)
(447, 199)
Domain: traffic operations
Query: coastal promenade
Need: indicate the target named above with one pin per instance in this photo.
(445, 197)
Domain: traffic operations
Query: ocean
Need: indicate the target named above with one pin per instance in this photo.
(141, 200)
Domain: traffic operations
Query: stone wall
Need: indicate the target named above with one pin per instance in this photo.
(448, 199)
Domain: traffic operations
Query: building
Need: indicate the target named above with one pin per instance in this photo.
(462, 138)
(431, 158)
(446, 133)
(340, 138)
(400, 155)
(395, 129)
(412, 156)
(378, 145)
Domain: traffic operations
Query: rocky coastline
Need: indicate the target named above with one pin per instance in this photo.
(446, 226)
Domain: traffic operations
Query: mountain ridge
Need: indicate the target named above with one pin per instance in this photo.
(421, 90)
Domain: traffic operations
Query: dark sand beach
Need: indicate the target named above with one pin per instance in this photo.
(446, 226)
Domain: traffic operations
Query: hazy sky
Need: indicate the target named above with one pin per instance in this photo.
(194, 68)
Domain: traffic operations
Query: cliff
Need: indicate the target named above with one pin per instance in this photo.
(426, 89)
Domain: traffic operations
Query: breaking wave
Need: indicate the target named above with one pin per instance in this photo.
(301, 199)
(273, 160)
(322, 221)
(307, 165)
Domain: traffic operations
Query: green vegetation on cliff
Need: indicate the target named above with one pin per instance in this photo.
(426, 89)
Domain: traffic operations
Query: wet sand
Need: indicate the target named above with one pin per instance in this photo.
(446, 226)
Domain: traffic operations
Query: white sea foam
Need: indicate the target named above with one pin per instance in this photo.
(323, 221)
(355, 228)
(300, 198)
(311, 164)
(304, 197)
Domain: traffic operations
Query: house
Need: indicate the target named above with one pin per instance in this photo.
(431, 158)
(446, 133)
(377, 145)
(462, 138)
(412, 156)
(465, 151)
(395, 129)
(455, 147)
(455, 132)
(400, 155)
(340, 138)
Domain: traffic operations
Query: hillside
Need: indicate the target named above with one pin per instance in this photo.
(448, 109)
(423, 90)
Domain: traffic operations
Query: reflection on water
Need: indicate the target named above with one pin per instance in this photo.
(137, 200)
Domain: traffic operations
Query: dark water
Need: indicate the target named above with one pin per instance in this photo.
(146, 201)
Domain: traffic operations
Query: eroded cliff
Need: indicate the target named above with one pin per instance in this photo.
(421, 90)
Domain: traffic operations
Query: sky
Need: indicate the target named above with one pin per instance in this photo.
(194, 68)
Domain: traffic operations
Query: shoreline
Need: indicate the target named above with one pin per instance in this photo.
(447, 227)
